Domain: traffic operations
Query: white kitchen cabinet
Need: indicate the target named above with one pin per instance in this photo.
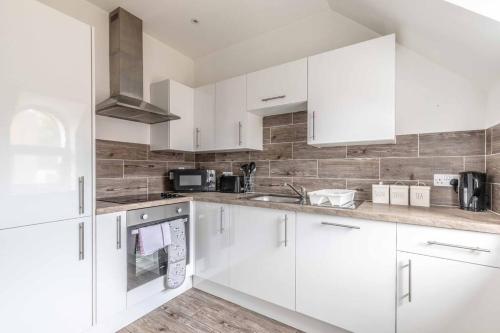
(111, 265)
(346, 272)
(45, 122)
(278, 89)
(446, 296)
(46, 277)
(262, 259)
(204, 118)
(236, 129)
(351, 94)
(212, 242)
(178, 99)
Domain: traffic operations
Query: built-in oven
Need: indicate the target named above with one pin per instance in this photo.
(142, 269)
(193, 180)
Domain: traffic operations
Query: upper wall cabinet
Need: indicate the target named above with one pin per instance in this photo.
(279, 89)
(236, 129)
(204, 118)
(176, 134)
(351, 94)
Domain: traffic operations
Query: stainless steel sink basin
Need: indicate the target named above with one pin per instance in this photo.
(276, 198)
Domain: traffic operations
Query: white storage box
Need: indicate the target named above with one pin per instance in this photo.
(335, 197)
(420, 196)
(400, 195)
(380, 193)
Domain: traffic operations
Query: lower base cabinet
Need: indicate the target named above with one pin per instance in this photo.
(262, 255)
(346, 272)
(111, 265)
(439, 295)
(45, 264)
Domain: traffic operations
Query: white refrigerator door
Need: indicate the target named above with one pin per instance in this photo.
(45, 115)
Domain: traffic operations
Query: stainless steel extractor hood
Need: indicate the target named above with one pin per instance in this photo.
(126, 82)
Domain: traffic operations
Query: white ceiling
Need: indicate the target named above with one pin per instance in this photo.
(456, 38)
(222, 22)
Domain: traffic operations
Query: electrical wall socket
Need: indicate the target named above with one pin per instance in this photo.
(443, 180)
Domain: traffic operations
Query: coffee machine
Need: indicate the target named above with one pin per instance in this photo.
(471, 189)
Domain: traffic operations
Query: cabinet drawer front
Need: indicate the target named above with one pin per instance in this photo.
(466, 246)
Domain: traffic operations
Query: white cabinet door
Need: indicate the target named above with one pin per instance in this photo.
(204, 117)
(446, 296)
(262, 260)
(351, 94)
(236, 128)
(46, 280)
(346, 272)
(178, 99)
(111, 264)
(46, 112)
(279, 89)
(212, 242)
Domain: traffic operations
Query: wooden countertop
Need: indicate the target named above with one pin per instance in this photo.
(441, 217)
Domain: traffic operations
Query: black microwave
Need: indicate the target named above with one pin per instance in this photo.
(193, 180)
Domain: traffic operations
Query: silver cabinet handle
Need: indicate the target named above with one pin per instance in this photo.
(471, 248)
(410, 286)
(197, 137)
(240, 126)
(221, 225)
(340, 225)
(81, 241)
(272, 98)
(286, 230)
(81, 195)
(118, 232)
(314, 125)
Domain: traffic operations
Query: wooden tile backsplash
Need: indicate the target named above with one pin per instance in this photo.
(126, 168)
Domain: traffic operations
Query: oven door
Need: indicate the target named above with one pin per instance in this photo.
(189, 180)
(143, 269)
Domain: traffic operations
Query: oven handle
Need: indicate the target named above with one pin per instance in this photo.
(135, 231)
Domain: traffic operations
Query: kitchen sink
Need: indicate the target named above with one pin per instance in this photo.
(276, 198)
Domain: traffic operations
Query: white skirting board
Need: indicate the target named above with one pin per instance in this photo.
(285, 316)
(140, 309)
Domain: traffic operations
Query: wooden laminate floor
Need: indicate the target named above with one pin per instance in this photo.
(196, 311)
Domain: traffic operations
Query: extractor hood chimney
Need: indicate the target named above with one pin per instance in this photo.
(126, 82)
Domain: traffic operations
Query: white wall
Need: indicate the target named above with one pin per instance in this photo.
(160, 62)
(429, 98)
(493, 108)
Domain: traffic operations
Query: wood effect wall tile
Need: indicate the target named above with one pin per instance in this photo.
(301, 151)
(495, 139)
(475, 163)
(164, 155)
(189, 157)
(349, 168)
(419, 168)
(495, 199)
(205, 157)
(261, 168)
(145, 169)
(277, 120)
(219, 167)
(240, 156)
(291, 133)
(274, 151)
(180, 165)
(315, 184)
(106, 149)
(463, 143)
(159, 184)
(294, 168)
(493, 168)
(113, 187)
(266, 135)
(406, 146)
(109, 169)
(300, 117)
(273, 185)
(443, 196)
(488, 141)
